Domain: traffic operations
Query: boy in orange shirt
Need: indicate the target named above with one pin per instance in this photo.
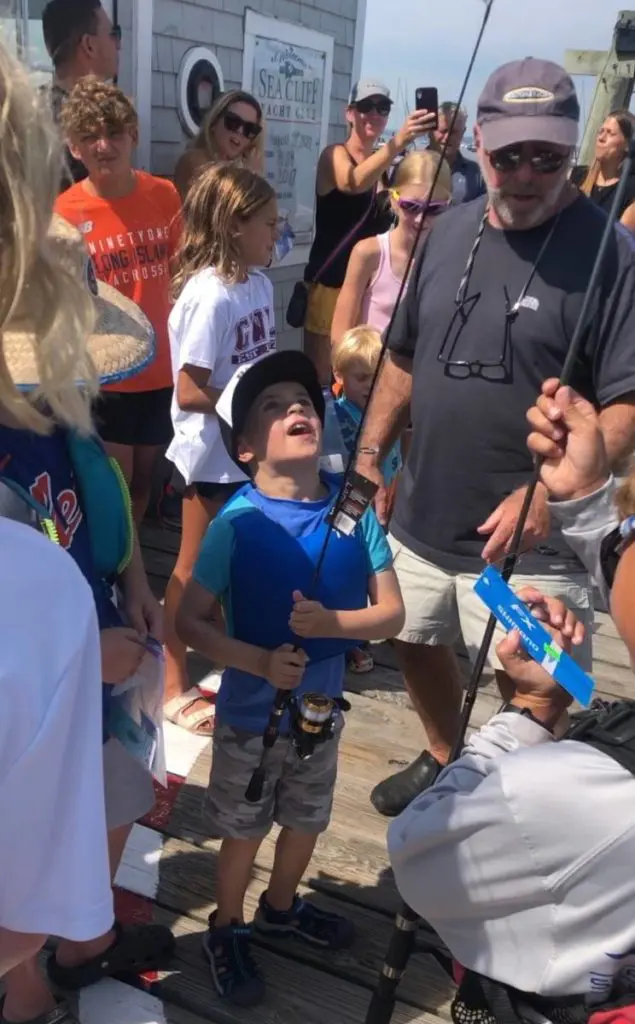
(131, 223)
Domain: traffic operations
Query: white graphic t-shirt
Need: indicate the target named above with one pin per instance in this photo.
(220, 327)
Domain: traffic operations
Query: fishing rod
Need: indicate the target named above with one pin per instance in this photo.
(254, 790)
(404, 932)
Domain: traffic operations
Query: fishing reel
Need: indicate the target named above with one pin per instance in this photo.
(313, 720)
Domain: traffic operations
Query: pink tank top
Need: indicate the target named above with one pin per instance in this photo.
(380, 296)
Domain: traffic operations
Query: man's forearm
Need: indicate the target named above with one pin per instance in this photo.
(387, 415)
(617, 422)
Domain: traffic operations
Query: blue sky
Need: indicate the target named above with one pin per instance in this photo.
(429, 42)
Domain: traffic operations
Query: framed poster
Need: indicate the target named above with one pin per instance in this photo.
(289, 69)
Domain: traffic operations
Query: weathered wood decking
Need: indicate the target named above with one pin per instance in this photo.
(171, 863)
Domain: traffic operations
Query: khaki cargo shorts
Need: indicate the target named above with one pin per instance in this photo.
(297, 794)
(441, 606)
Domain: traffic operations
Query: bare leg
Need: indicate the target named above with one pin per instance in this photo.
(197, 514)
(433, 681)
(235, 864)
(145, 460)
(318, 348)
(27, 993)
(293, 855)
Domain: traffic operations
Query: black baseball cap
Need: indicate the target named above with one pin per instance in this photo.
(235, 403)
(528, 100)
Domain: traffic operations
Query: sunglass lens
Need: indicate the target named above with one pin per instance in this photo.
(506, 159)
(548, 162)
(368, 106)
(234, 123)
(411, 206)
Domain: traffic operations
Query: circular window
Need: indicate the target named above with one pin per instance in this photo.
(200, 83)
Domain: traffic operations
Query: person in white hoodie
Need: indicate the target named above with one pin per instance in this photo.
(521, 855)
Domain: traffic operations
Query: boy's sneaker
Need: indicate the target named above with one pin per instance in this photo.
(234, 972)
(306, 921)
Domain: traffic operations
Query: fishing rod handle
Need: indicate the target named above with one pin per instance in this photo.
(254, 791)
(402, 943)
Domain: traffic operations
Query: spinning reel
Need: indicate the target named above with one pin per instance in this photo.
(313, 721)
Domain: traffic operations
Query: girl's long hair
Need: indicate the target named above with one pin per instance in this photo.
(419, 168)
(39, 297)
(253, 157)
(220, 200)
(626, 123)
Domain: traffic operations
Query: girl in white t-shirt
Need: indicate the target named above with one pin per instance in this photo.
(223, 317)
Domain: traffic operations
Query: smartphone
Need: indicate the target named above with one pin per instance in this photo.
(428, 99)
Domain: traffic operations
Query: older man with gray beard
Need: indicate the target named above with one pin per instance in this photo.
(489, 314)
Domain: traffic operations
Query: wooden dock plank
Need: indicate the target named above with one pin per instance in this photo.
(349, 873)
(187, 886)
(297, 993)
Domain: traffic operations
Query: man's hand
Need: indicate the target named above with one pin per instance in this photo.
(122, 651)
(284, 667)
(310, 618)
(534, 687)
(502, 524)
(373, 473)
(565, 432)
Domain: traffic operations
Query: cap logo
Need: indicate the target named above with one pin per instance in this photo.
(529, 94)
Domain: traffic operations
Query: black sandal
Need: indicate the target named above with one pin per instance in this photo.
(60, 1015)
(136, 948)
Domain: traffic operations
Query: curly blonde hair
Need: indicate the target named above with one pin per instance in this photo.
(93, 105)
(359, 344)
(253, 157)
(220, 200)
(37, 295)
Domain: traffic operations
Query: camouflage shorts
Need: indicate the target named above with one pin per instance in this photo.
(297, 794)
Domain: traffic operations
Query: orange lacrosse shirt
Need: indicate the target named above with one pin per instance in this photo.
(131, 242)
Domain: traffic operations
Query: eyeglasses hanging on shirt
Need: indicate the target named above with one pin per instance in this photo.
(498, 370)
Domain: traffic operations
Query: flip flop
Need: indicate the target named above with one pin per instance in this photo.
(135, 949)
(176, 712)
(60, 1015)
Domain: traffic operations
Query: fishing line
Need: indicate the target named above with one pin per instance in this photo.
(404, 933)
(255, 788)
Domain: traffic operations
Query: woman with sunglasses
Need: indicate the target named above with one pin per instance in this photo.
(349, 177)
(599, 181)
(377, 265)
(232, 130)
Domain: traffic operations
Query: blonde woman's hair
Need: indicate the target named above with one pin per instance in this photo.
(37, 295)
(253, 156)
(362, 343)
(220, 200)
(420, 167)
(93, 105)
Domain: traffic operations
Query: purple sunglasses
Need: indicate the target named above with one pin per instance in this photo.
(416, 206)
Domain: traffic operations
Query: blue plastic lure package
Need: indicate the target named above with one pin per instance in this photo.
(512, 613)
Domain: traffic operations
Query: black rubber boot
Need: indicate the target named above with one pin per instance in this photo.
(393, 795)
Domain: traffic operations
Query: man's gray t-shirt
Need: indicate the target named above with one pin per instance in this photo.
(469, 447)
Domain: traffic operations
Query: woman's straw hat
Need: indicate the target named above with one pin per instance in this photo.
(122, 343)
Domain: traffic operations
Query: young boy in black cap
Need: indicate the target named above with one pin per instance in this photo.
(258, 562)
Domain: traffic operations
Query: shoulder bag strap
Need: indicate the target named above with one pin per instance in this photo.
(347, 239)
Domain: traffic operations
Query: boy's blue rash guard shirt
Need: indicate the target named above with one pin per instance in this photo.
(254, 555)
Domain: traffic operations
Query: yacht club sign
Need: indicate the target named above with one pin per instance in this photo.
(289, 70)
